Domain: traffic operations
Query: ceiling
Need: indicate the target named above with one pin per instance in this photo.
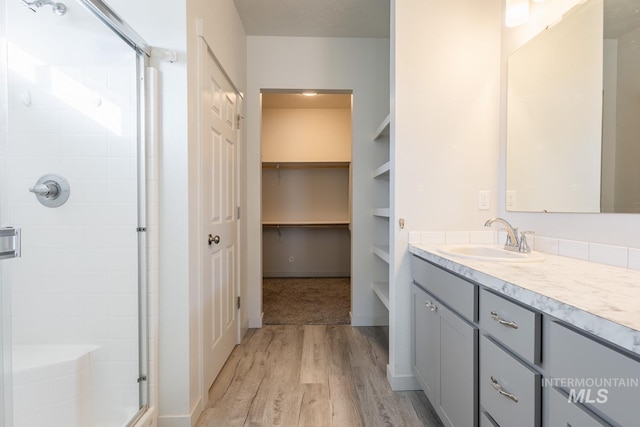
(315, 18)
(295, 99)
(620, 17)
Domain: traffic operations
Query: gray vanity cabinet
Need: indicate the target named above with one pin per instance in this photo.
(485, 359)
(509, 349)
(426, 332)
(562, 412)
(601, 378)
(509, 389)
(445, 348)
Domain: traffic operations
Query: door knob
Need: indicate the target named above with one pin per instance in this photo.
(214, 239)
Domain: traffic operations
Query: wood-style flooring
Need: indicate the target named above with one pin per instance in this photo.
(312, 376)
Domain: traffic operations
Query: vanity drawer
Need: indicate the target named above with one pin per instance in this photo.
(562, 412)
(503, 380)
(513, 325)
(603, 379)
(457, 293)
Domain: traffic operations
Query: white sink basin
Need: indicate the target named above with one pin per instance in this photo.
(489, 253)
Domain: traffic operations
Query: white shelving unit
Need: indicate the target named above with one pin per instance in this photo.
(383, 129)
(381, 212)
(381, 174)
(381, 289)
(382, 252)
(382, 170)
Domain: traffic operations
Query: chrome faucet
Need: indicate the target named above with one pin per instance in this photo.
(515, 242)
(57, 8)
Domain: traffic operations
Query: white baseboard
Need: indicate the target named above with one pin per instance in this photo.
(369, 320)
(304, 274)
(149, 419)
(402, 382)
(255, 322)
(182, 420)
(174, 421)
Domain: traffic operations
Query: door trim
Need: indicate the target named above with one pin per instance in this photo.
(204, 46)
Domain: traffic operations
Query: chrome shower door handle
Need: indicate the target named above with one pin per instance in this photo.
(10, 242)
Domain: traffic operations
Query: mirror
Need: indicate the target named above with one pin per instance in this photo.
(573, 102)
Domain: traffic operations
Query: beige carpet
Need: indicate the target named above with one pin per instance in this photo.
(306, 301)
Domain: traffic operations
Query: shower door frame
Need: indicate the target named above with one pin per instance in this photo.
(6, 401)
(143, 52)
(105, 14)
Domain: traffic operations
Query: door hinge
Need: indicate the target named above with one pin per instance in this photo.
(238, 303)
(238, 118)
(142, 378)
(141, 229)
(238, 212)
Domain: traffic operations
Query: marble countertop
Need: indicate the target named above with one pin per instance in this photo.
(597, 298)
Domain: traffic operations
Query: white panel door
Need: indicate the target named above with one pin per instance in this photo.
(219, 240)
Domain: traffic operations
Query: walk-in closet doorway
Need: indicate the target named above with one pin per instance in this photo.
(306, 140)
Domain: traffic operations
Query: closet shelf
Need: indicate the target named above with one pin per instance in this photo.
(381, 212)
(381, 289)
(382, 170)
(309, 224)
(383, 129)
(382, 252)
(305, 165)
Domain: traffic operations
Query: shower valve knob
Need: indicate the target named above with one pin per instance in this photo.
(51, 190)
(47, 190)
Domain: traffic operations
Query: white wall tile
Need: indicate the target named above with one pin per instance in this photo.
(95, 168)
(634, 259)
(482, 237)
(573, 249)
(65, 388)
(414, 238)
(88, 293)
(546, 245)
(433, 238)
(607, 254)
(95, 145)
(502, 236)
(71, 145)
(457, 237)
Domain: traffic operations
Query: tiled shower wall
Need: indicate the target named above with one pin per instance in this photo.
(76, 282)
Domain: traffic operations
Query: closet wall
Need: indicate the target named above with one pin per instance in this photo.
(306, 163)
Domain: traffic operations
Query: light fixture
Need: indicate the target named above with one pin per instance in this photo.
(516, 12)
(309, 93)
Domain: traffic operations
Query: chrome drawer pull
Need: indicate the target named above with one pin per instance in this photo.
(496, 385)
(500, 320)
(431, 306)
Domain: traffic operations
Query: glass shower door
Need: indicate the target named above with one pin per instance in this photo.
(72, 186)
